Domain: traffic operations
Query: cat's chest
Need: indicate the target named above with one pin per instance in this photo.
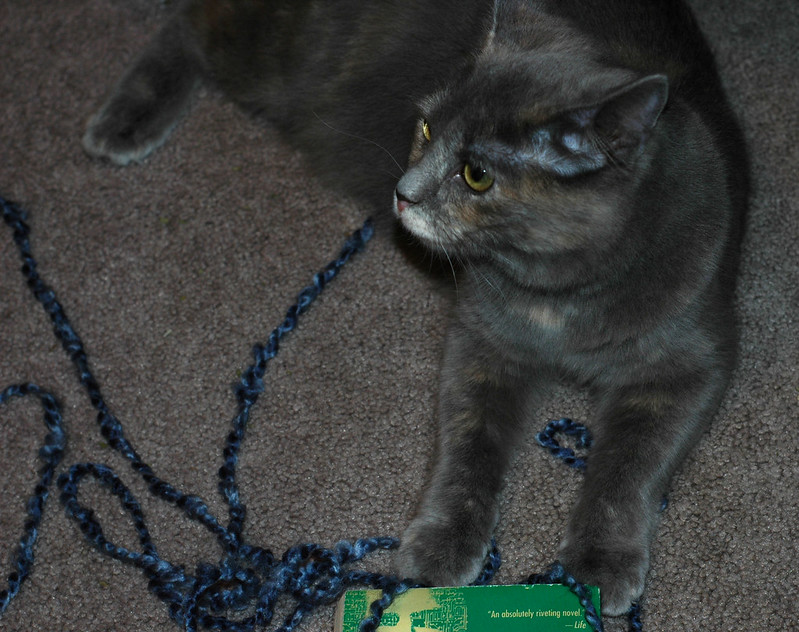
(531, 322)
(543, 318)
(586, 337)
(521, 323)
(530, 326)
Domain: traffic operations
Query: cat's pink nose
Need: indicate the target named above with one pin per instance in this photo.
(402, 203)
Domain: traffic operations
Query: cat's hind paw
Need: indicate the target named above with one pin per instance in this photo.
(147, 102)
(137, 119)
(122, 133)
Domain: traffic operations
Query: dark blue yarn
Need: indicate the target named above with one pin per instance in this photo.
(50, 453)
(556, 574)
(248, 577)
(546, 439)
(634, 618)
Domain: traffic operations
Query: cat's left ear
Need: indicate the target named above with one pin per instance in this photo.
(625, 118)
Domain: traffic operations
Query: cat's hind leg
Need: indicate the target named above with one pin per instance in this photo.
(149, 99)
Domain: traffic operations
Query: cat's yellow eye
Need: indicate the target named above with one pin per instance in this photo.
(426, 131)
(477, 178)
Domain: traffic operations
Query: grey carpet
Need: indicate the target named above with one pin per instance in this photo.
(172, 269)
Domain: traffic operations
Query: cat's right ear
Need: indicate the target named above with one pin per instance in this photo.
(623, 121)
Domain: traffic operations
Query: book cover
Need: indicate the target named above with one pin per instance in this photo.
(515, 608)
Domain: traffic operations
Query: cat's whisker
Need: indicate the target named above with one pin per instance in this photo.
(451, 267)
(364, 139)
(390, 174)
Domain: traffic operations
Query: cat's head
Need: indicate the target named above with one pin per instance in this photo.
(534, 162)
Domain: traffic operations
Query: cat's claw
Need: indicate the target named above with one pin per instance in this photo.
(439, 554)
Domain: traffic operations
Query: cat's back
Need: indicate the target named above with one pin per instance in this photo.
(655, 36)
(342, 77)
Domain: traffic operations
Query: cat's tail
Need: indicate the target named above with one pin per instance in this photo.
(149, 99)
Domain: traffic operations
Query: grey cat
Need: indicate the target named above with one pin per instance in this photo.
(579, 161)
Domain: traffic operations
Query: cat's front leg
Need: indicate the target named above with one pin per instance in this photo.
(642, 435)
(480, 404)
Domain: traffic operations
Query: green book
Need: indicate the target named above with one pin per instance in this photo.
(516, 608)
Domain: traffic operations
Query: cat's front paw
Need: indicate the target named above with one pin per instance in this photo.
(439, 554)
(618, 571)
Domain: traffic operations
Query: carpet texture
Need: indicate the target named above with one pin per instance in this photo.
(171, 270)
